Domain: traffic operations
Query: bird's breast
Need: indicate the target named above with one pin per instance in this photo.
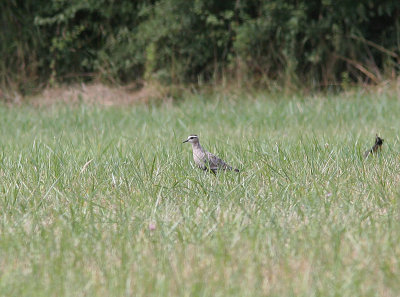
(199, 158)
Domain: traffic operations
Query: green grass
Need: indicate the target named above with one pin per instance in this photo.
(307, 215)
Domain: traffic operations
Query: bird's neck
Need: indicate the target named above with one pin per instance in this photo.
(197, 146)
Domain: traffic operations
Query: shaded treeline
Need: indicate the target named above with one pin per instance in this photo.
(178, 41)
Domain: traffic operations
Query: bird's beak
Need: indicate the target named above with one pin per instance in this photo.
(186, 140)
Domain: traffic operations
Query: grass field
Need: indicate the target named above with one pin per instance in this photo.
(101, 201)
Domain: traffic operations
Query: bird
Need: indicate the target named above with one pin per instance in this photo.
(377, 146)
(206, 160)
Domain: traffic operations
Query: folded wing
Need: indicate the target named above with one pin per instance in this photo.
(215, 163)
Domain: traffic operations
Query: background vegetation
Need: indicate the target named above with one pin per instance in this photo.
(177, 41)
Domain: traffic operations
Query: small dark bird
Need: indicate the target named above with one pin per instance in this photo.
(377, 146)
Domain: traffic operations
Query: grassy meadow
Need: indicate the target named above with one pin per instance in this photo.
(106, 201)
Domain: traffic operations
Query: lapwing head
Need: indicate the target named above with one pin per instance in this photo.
(192, 139)
(378, 140)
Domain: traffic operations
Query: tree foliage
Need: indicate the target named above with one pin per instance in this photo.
(177, 41)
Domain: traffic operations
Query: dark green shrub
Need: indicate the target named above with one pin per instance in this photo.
(179, 41)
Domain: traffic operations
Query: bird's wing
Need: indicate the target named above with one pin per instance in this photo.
(216, 163)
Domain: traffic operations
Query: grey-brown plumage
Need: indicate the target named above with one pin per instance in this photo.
(205, 160)
(376, 147)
